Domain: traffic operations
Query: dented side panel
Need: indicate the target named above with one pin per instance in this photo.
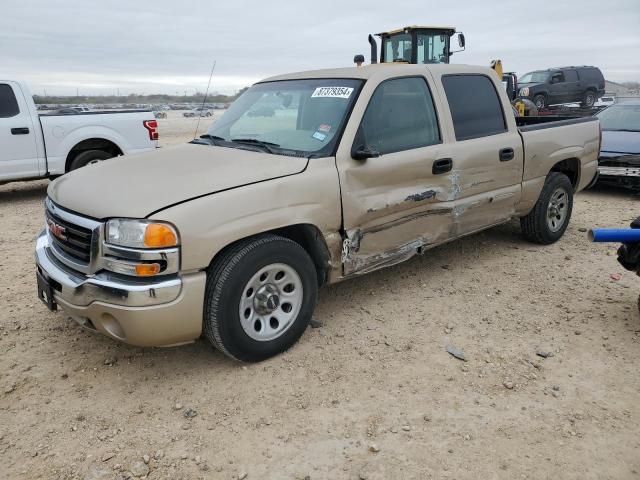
(395, 207)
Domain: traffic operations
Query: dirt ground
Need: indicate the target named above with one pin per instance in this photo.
(370, 394)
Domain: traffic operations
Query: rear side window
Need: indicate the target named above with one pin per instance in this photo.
(591, 74)
(8, 102)
(400, 116)
(475, 107)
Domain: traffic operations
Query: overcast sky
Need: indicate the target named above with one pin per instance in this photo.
(168, 46)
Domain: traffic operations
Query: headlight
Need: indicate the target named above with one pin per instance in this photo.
(524, 92)
(140, 233)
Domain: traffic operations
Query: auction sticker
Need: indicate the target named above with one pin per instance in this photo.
(319, 136)
(324, 128)
(332, 92)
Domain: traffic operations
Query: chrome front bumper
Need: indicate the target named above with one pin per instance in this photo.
(80, 290)
(620, 171)
(152, 312)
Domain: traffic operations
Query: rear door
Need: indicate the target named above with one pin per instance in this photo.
(393, 203)
(486, 150)
(573, 90)
(18, 140)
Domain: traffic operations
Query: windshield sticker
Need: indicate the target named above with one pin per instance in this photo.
(319, 136)
(324, 128)
(332, 92)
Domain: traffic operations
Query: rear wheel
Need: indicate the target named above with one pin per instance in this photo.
(260, 296)
(88, 158)
(589, 99)
(540, 101)
(548, 220)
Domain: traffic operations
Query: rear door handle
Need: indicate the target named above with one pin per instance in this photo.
(506, 154)
(442, 165)
(20, 131)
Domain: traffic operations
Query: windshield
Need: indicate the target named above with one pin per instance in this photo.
(620, 117)
(302, 117)
(534, 77)
(397, 48)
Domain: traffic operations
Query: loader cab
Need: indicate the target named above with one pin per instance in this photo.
(419, 45)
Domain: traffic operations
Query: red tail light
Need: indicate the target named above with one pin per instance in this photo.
(152, 128)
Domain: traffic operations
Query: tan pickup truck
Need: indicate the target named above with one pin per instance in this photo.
(308, 178)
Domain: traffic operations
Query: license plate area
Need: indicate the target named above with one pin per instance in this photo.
(45, 292)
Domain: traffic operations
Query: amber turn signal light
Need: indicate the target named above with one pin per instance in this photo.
(158, 235)
(147, 269)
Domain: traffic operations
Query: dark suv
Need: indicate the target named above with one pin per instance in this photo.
(562, 85)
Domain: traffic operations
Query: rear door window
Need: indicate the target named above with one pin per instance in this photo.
(475, 107)
(570, 76)
(8, 103)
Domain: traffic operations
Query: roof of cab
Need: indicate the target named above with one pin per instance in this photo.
(416, 27)
(381, 70)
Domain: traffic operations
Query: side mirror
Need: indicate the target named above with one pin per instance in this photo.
(461, 41)
(362, 152)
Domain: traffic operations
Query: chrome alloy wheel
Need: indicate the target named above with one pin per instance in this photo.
(557, 209)
(270, 302)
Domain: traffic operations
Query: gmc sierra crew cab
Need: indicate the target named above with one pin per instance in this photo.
(47, 145)
(346, 172)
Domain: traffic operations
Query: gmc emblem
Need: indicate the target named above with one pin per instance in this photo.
(56, 230)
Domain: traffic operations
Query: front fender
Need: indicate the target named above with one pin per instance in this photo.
(210, 223)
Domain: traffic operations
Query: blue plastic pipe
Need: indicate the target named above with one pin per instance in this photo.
(616, 235)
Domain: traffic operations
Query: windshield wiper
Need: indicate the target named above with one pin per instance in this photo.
(213, 140)
(620, 130)
(254, 141)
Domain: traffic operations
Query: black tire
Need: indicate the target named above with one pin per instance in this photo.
(540, 101)
(87, 157)
(589, 99)
(227, 278)
(536, 225)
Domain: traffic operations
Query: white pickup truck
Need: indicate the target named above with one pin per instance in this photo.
(40, 146)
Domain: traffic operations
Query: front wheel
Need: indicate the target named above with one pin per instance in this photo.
(540, 101)
(259, 298)
(548, 220)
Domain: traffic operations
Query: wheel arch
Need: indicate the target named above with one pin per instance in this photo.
(92, 144)
(308, 236)
(571, 168)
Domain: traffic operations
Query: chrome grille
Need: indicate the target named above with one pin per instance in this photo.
(74, 239)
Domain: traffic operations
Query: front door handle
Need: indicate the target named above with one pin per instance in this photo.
(506, 154)
(20, 131)
(442, 165)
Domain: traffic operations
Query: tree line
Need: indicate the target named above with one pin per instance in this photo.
(136, 98)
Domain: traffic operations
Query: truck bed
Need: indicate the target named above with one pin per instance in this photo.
(527, 124)
(95, 112)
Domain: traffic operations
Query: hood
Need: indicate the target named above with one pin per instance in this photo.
(620, 142)
(529, 85)
(137, 185)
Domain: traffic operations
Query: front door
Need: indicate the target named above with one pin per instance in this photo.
(393, 201)
(18, 152)
(557, 89)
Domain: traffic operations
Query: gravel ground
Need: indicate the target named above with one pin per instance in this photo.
(370, 393)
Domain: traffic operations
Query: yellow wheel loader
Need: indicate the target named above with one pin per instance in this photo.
(430, 45)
